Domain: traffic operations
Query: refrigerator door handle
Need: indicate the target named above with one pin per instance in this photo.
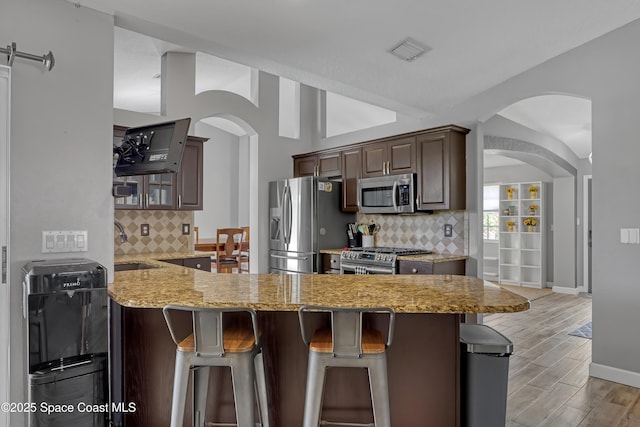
(302, 258)
(289, 215)
(284, 216)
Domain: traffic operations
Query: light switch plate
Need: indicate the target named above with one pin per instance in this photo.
(65, 241)
(144, 229)
(186, 229)
(624, 235)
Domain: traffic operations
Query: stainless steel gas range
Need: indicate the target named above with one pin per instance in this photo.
(374, 260)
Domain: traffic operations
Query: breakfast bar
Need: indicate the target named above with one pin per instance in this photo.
(423, 360)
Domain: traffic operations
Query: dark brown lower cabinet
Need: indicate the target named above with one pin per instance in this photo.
(419, 267)
(423, 372)
(331, 263)
(200, 263)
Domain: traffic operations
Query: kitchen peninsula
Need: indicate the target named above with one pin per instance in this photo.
(423, 360)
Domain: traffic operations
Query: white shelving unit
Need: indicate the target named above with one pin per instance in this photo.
(491, 270)
(521, 258)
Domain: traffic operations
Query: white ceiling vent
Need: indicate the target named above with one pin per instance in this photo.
(409, 49)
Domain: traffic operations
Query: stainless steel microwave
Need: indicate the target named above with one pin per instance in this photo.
(387, 194)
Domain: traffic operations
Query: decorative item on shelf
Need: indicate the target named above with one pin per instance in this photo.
(510, 226)
(533, 209)
(512, 210)
(510, 192)
(530, 223)
(533, 191)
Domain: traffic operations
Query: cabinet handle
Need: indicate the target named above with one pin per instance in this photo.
(198, 265)
(333, 261)
(179, 201)
(140, 201)
(414, 270)
(146, 197)
(418, 200)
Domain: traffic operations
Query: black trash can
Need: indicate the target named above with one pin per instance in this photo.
(484, 371)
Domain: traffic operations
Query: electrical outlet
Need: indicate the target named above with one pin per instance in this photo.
(186, 229)
(448, 230)
(144, 229)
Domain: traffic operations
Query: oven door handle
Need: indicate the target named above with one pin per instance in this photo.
(367, 268)
(380, 270)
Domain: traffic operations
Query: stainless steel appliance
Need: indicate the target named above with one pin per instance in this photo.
(305, 217)
(66, 322)
(387, 194)
(374, 260)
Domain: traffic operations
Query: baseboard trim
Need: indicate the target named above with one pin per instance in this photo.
(609, 373)
(563, 290)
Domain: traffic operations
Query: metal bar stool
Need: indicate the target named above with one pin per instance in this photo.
(346, 344)
(209, 343)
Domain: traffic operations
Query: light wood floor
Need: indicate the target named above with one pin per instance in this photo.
(549, 383)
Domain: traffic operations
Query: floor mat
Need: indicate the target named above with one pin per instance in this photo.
(583, 331)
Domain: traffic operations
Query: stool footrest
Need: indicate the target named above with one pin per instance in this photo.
(335, 423)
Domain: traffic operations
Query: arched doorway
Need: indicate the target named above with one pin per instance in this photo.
(547, 138)
(229, 170)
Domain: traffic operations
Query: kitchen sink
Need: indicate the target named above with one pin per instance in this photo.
(133, 266)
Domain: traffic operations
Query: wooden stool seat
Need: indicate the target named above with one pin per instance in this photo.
(372, 342)
(235, 340)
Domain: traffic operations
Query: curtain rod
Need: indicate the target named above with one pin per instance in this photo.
(47, 60)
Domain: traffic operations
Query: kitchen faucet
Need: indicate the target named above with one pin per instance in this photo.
(123, 235)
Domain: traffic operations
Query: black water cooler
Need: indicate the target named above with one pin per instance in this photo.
(66, 322)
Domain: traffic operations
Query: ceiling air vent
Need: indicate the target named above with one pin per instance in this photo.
(409, 49)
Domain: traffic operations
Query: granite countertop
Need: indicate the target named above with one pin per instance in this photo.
(172, 284)
(422, 257)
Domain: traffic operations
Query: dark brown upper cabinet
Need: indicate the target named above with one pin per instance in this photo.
(167, 191)
(351, 163)
(442, 169)
(324, 164)
(437, 156)
(391, 157)
(190, 177)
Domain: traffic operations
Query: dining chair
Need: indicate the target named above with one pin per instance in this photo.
(229, 243)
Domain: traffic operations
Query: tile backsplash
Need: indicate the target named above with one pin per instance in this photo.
(422, 231)
(165, 231)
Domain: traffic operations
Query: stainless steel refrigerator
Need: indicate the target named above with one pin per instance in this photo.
(305, 217)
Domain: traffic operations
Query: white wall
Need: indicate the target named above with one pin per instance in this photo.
(516, 173)
(61, 122)
(220, 183)
(564, 232)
